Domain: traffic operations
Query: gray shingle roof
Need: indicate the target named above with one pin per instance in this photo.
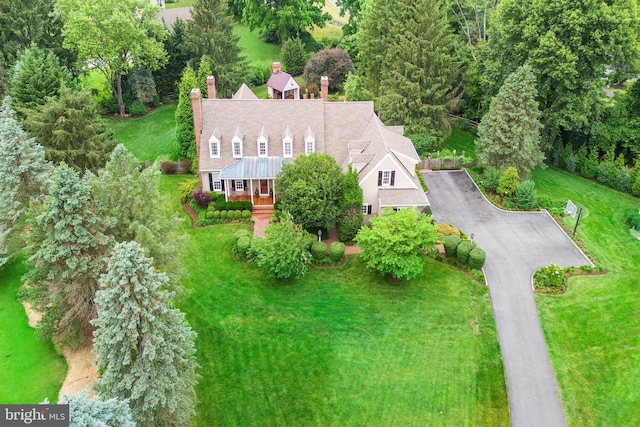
(398, 197)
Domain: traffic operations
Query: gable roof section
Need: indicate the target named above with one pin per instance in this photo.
(399, 197)
(279, 81)
(244, 93)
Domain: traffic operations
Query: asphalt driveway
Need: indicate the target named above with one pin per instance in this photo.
(517, 244)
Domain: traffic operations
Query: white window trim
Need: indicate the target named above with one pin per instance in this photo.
(365, 209)
(312, 141)
(286, 141)
(387, 182)
(266, 147)
(213, 142)
(217, 182)
(233, 147)
(239, 185)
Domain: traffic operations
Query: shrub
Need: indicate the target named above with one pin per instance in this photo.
(491, 179)
(137, 109)
(259, 74)
(187, 187)
(526, 195)
(223, 215)
(241, 233)
(246, 214)
(333, 63)
(447, 229)
(242, 247)
(311, 239)
(550, 279)
(319, 250)
(635, 188)
(336, 251)
(581, 157)
(422, 183)
(463, 250)
(201, 198)
(216, 215)
(450, 245)
(569, 158)
(349, 223)
(621, 179)
(169, 168)
(589, 167)
(423, 143)
(633, 219)
(476, 258)
(508, 182)
(209, 215)
(603, 171)
(237, 214)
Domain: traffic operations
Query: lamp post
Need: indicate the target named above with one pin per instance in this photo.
(320, 235)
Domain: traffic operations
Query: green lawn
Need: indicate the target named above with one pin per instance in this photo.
(256, 50)
(33, 369)
(97, 82)
(183, 3)
(461, 140)
(148, 137)
(339, 347)
(592, 332)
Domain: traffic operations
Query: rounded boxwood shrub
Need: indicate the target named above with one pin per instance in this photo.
(450, 245)
(216, 215)
(237, 214)
(311, 239)
(223, 214)
(336, 251)
(463, 250)
(246, 214)
(476, 258)
(242, 246)
(319, 250)
(209, 215)
(241, 233)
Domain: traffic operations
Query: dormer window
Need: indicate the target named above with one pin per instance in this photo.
(214, 148)
(262, 147)
(287, 147)
(236, 144)
(309, 141)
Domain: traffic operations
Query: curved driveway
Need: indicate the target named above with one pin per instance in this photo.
(517, 244)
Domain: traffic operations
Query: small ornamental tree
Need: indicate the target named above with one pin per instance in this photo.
(283, 253)
(144, 349)
(508, 182)
(394, 242)
(333, 63)
(311, 190)
(294, 56)
(526, 195)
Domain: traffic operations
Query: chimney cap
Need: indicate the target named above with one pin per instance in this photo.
(195, 93)
(324, 78)
(211, 78)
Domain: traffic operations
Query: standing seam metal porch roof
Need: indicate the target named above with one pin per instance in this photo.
(254, 168)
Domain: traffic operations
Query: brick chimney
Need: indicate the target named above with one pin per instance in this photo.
(275, 67)
(211, 87)
(196, 106)
(324, 88)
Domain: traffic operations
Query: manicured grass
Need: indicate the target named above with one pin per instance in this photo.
(32, 369)
(256, 50)
(148, 137)
(97, 82)
(592, 330)
(183, 3)
(339, 347)
(461, 140)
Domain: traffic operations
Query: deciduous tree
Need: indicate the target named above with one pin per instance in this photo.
(144, 349)
(71, 131)
(333, 63)
(23, 176)
(310, 189)
(68, 242)
(283, 253)
(393, 243)
(509, 134)
(114, 36)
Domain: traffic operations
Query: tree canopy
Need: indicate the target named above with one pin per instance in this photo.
(333, 63)
(509, 134)
(71, 131)
(114, 36)
(185, 133)
(310, 189)
(407, 50)
(144, 349)
(393, 243)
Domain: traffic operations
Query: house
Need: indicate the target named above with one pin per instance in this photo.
(282, 85)
(243, 143)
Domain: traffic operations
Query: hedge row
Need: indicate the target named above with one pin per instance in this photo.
(465, 251)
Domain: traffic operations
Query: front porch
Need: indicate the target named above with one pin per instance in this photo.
(256, 200)
(252, 179)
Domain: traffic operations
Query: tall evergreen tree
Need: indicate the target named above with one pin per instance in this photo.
(509, 134)
(23, 175)
(37, 75)
(144, 349)
(71, 130)
(185, 133)
(210, 34)
(294, 56)
(68, 245)
(167, 77)
(133, 199)
(407, 48)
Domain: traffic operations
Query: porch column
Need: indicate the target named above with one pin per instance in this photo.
(226, 190)
(253, 202)
(273, 191)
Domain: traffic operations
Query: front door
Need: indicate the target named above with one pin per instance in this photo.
(264, 187)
